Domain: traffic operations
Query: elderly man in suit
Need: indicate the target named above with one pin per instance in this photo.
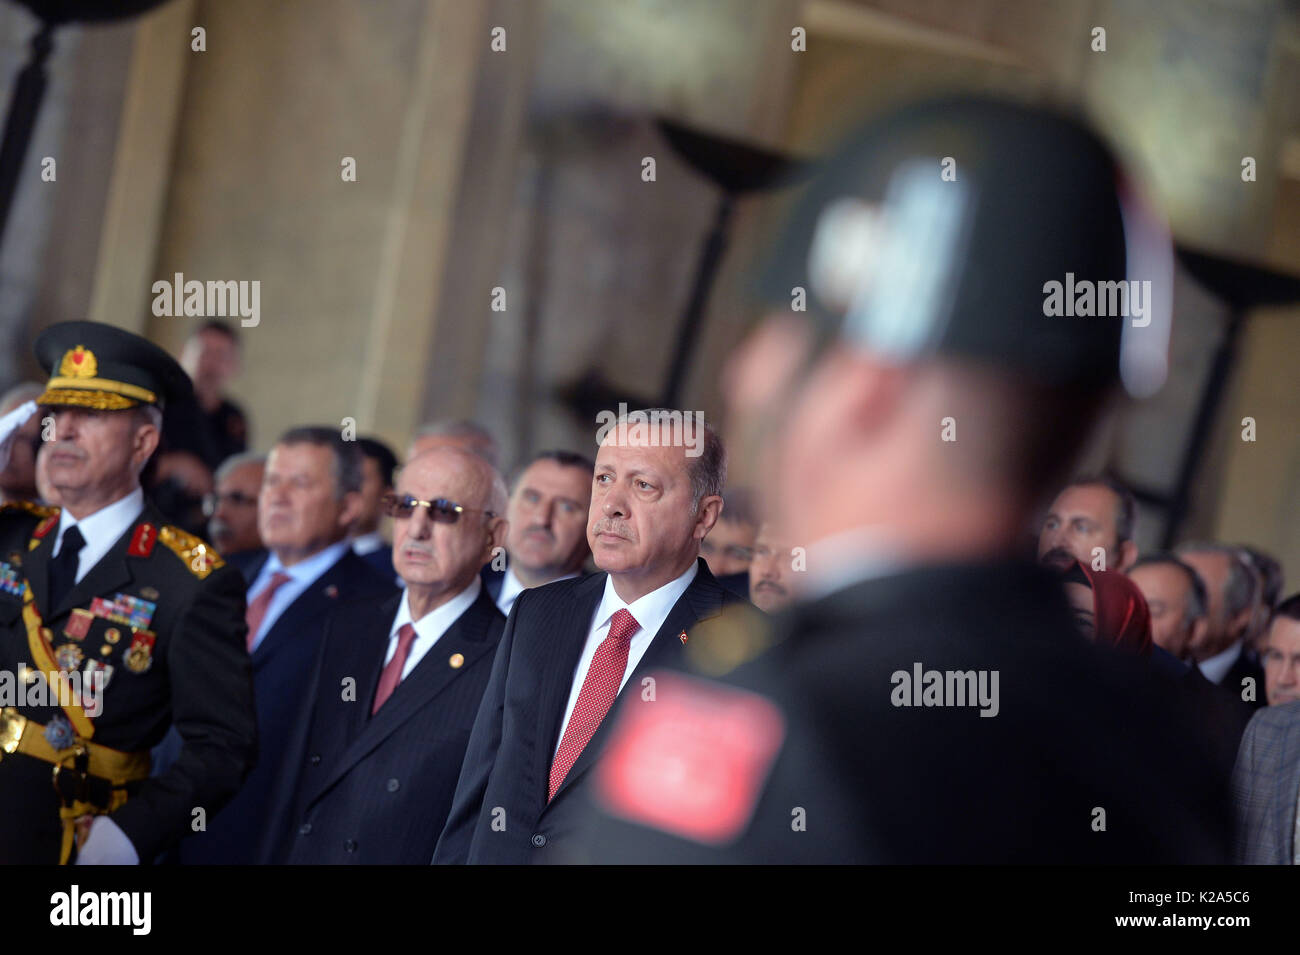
(571, 647)
(309, 499)
(370, 774)
(1266, 788)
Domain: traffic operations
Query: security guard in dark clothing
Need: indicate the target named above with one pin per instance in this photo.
(113, 626)
(926, 699)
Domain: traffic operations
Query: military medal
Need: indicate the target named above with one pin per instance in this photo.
(139, 658)
(69, 657)
(112, 634)
(457, 661)
(78, 624)
(106, 650)
(94, 667)
(11, 581)
(149, 593)
(58, 732)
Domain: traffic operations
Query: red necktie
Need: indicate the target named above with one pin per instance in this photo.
(257, 609)
(392, 674)
(598, 692)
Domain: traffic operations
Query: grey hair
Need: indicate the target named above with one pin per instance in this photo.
(1239, 590)
(708, 470)
(237, 461)
(1197, 603)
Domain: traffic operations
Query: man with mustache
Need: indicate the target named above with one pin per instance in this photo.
(103, 589)
(570, 648)
(309, 498)
(547, 519)
(232, 506)
(370, 774)
(770, 570)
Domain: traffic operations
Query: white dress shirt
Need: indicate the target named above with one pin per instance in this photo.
(364, 544)
(429, 628)
(301, 576)
(100, 530)
(106, 843)
(512, 587)
(649, 611)
(1217, 666)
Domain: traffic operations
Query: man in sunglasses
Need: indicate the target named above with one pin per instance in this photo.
(572, 647)
(310, 496)
(370, 774)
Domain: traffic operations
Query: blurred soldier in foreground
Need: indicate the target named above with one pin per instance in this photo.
(113, 625)
(925, 700)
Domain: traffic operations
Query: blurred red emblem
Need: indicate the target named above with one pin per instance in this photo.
(691, 762)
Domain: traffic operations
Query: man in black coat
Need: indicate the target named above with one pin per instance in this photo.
(571, 647)
(308, 501)
(105, 590)
(370, 773)
(926, 699)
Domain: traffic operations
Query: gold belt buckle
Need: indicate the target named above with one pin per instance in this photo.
(12, 724)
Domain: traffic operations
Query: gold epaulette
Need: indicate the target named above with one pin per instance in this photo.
(31, 507)
(200, 558)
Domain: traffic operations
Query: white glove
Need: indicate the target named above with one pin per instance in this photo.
(9, 426)
(107, 844)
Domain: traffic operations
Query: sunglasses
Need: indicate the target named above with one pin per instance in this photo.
(441, 511)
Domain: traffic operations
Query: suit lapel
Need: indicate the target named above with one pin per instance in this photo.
(574, 622)
(109, 572)
(320, 596)
(431, 676)
(701, 600)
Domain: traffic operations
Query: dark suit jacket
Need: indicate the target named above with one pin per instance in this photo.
(1246, 666)
(492, 581)
(281, 664)
(362, 789)
(1078, 728)
(1265, 787)
(382, 561)
(507, 765)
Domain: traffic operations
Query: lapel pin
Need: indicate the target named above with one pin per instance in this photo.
(456, 661)
(682, 637)
(331, 591)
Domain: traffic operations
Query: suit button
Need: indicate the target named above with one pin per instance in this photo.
(539, 840)
(315, 759)
(350, 846)
(304, 829)
(394, 785)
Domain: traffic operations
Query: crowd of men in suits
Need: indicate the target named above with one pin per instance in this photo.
(617, 659)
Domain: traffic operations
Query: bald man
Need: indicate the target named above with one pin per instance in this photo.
(370, 773)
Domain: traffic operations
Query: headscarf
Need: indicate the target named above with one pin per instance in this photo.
(1123, 619)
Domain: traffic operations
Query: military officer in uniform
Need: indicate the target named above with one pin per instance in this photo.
(925, 700)
(113, 626)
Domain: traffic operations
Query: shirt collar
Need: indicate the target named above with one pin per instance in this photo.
(367, 543)
(649, 611)
(1217, 666)
(512, 586)
(436, 622)
(106, 524)
(305, 571)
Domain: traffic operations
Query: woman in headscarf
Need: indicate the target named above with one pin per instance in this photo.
(1109, 608)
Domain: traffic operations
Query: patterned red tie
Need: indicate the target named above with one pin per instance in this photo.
(257, 609)
(392, 674)
(598, 692)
